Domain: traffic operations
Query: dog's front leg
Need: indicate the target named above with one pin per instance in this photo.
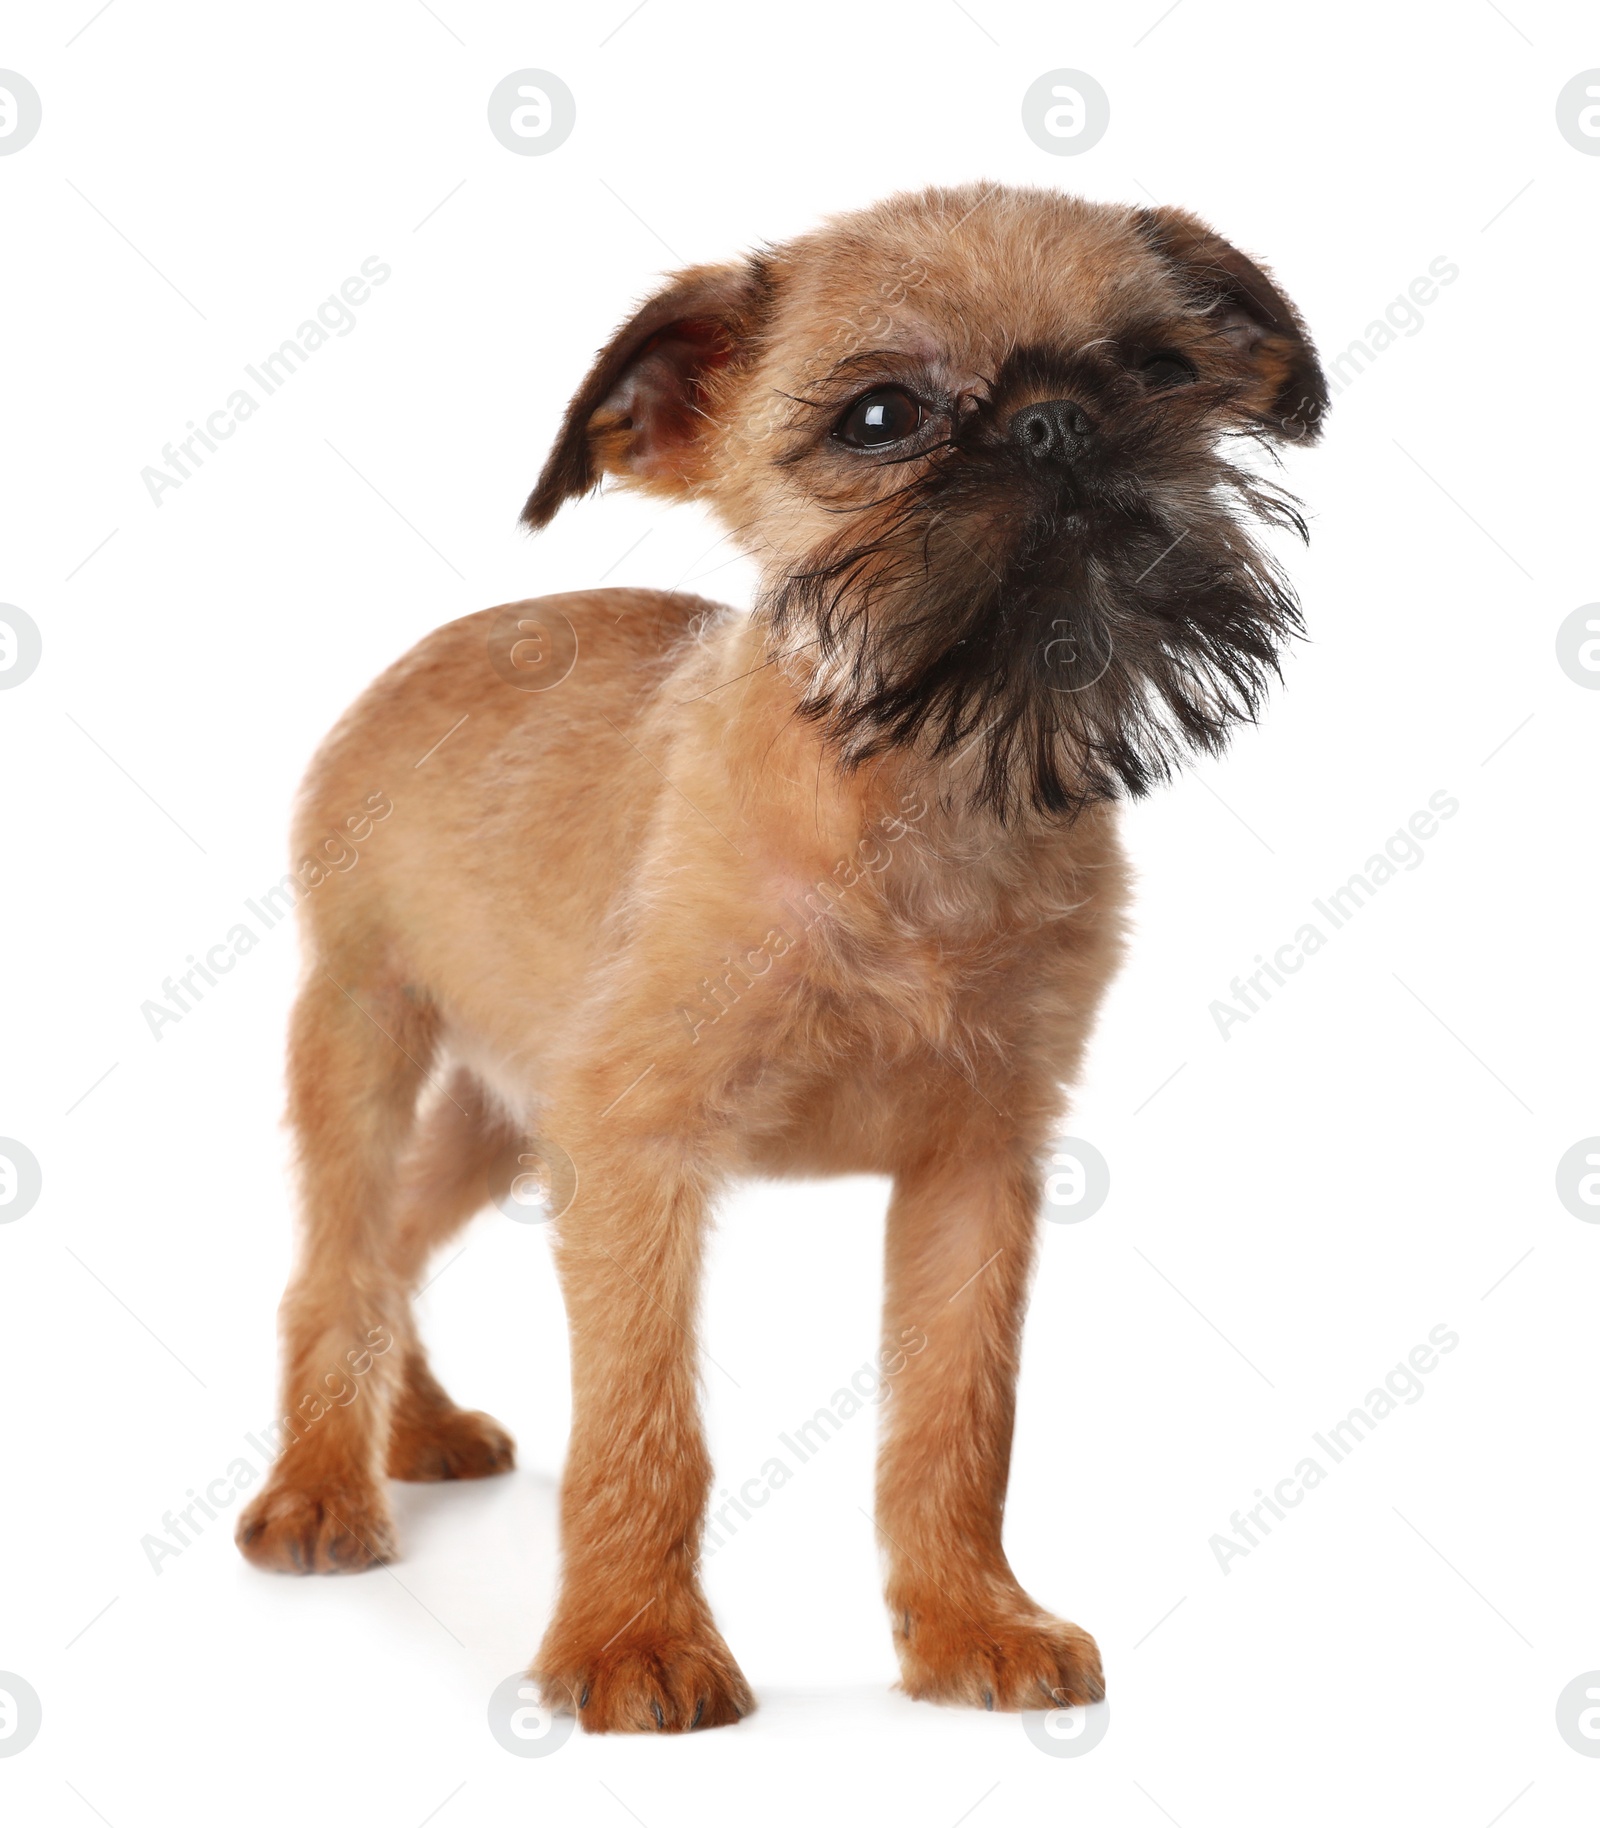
(632, 1646)
(960, 1248)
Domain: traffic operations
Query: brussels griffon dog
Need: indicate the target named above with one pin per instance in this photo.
(666, 893)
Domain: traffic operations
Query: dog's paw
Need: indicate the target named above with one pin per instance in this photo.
(336, 1530)
(451, 1444)
(645, 1683)
(1005, 1662)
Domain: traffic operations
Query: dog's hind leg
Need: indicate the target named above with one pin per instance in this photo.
(359, 1049)
(444, 1179)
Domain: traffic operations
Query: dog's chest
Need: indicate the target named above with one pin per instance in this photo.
(876, 1045)
(876, 984)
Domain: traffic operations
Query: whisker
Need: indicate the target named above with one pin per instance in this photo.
(931, 635)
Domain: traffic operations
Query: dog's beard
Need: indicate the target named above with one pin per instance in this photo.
(1056, 644)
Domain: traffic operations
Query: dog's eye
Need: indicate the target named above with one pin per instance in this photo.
(883, 417)
(1168, 370)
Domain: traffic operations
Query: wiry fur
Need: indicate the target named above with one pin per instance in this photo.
(831, 888)
(1082, 633)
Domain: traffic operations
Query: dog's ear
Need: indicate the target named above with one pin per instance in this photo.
(641, 412)
(1291, 395)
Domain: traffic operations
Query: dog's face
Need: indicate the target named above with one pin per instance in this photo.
(978, 442)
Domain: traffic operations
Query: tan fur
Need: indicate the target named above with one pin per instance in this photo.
(645, 917)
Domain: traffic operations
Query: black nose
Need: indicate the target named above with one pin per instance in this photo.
(1052, 431)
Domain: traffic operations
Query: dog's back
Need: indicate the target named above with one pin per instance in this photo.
(514, 747)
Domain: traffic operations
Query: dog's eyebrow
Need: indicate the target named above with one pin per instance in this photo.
(869, 361)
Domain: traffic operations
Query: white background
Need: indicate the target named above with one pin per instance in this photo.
(1364, 1159)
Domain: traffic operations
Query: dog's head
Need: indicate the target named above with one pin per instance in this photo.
(979, 443)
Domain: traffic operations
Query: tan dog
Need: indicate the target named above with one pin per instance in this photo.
(830, 888)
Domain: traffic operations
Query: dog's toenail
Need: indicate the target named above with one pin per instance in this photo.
(655, 1708)
(583, 1699)
(988, 1700)
(699, 1709)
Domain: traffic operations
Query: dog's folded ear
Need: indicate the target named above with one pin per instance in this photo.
(641, 413)
(1290, 397)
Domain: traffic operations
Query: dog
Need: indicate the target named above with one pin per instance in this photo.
(671, 893)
